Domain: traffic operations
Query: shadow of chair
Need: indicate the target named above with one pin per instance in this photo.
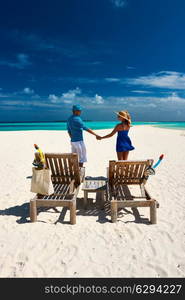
(21, 211)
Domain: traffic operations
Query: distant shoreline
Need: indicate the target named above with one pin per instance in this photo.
(64, 121)
(94, 125)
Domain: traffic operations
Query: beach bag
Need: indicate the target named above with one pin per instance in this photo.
(41, 182)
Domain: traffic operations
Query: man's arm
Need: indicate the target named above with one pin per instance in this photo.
(68, 130)
(92, 132)
(82, 125)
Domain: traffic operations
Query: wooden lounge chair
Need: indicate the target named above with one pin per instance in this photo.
(122, 174)
(66, 177)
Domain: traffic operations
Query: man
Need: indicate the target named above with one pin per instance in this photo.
(75, 127)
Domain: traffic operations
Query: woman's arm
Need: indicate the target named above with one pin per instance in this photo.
(110, 134)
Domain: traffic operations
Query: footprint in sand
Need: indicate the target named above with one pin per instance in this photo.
(152, 248)
(157, 271)
(20, 265)
(68, 254)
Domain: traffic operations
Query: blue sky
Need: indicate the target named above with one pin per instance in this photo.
(107, 55)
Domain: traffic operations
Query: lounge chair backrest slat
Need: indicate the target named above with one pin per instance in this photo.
(64, 167)
(49, 163)
(57, 169)
(131, 171)
(71, 163)
(128, 172)
(60, 162)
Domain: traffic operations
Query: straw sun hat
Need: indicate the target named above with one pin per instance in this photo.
(125, 115)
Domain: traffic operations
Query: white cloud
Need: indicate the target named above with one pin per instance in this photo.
(142, 105)
(71, 94)
(88, 63)
(67, 97)
(141, 92)
(53, 98)
(139, 103)
(70, 97)
(4, 95)
(85, 80)
(130, 68)
(119, 3)
(111, 79)
(164, 79)
(98, 99)
(174, 97)
(22, 61)
(28, 91)
(36, 96)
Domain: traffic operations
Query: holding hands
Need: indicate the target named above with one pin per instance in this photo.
(98, 137)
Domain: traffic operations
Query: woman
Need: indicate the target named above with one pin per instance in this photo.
(123, 144)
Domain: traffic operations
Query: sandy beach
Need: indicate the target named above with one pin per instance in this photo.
(94, 247)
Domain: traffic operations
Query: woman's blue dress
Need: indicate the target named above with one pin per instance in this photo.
(123, 142)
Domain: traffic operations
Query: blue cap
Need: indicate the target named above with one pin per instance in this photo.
(76, 107)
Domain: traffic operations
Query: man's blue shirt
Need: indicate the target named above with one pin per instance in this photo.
(75, 128)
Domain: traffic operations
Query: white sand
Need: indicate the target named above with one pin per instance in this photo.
(94, 247)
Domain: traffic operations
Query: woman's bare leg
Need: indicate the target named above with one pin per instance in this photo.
(122, 155)
(125, 155)
(119, 155)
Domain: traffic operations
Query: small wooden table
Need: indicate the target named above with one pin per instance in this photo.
(96, 185)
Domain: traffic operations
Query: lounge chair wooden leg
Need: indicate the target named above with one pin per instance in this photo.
(102, 199)
(153, 213)
(33, 211)
(114, 211)
(73, 213)
(85, 199)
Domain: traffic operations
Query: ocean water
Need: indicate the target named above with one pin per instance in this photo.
(92, 124)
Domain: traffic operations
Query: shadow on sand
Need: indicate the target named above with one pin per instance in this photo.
(102, 215)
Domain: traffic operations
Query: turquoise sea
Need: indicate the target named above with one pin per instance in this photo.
(91, 124)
